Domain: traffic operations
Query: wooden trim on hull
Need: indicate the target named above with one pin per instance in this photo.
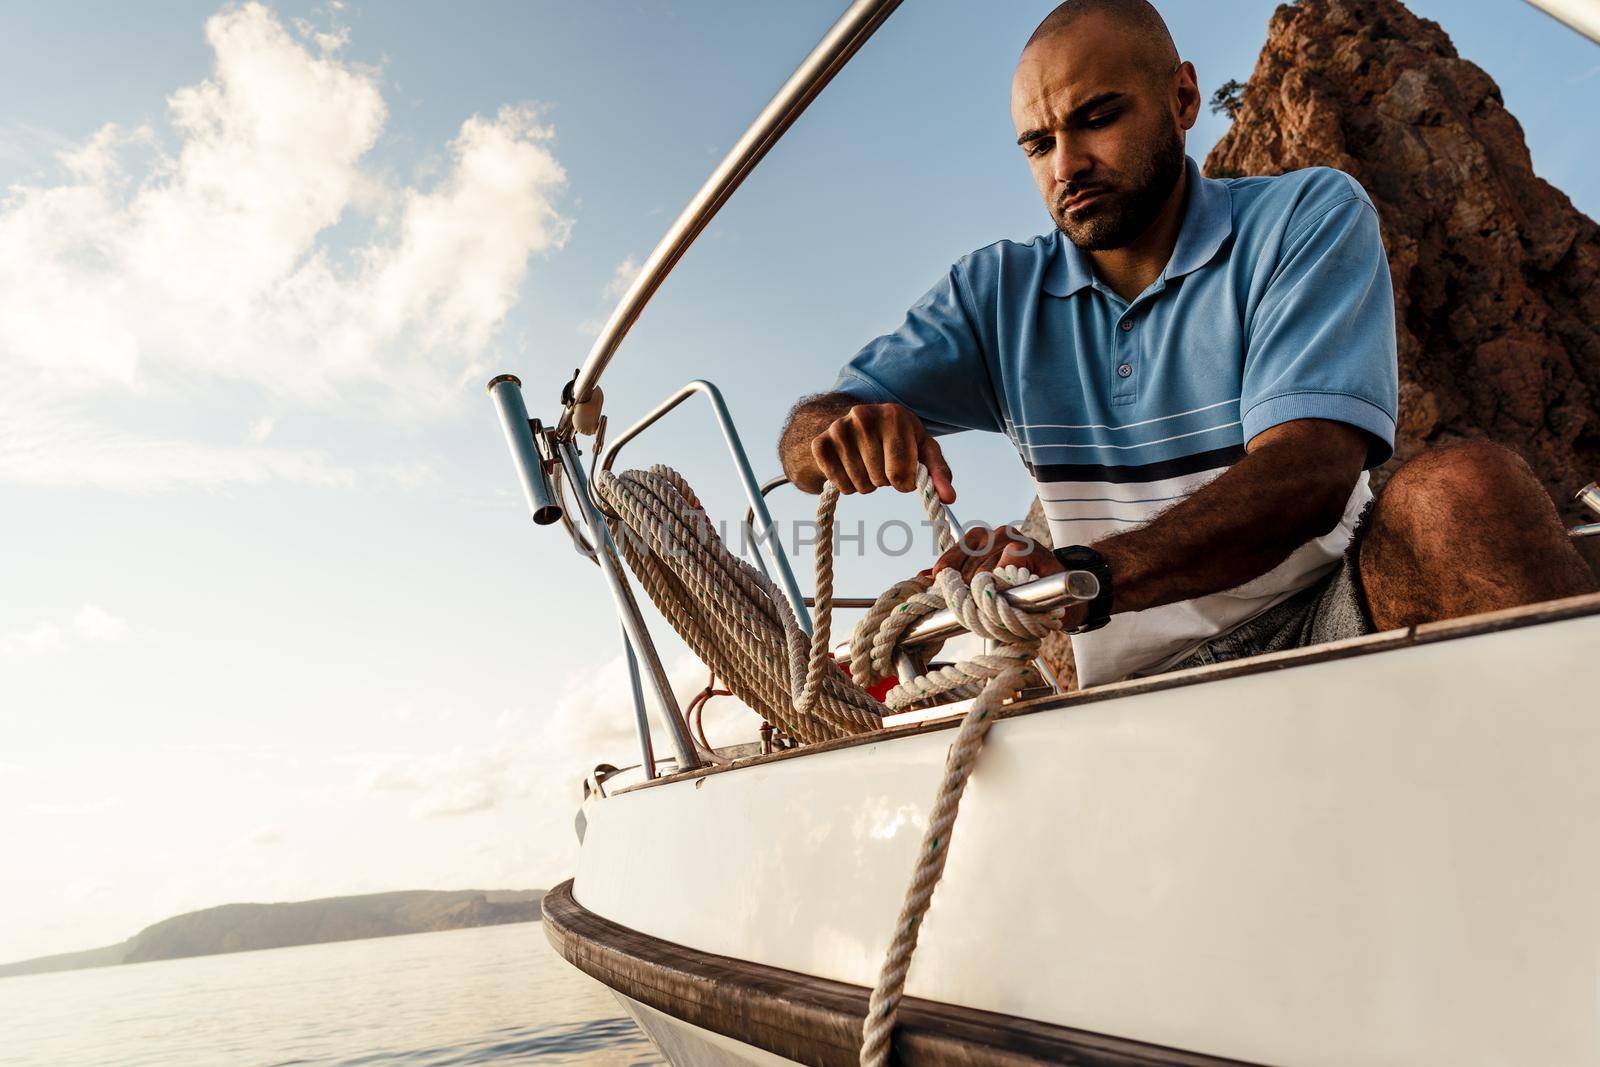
(813, 1020)
(1427, 633)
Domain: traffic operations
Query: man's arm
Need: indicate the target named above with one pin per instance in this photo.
(859, 447)
(1291, 486)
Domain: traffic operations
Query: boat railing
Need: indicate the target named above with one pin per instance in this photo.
(547, 458)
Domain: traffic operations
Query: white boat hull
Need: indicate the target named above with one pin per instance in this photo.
(1383, 858)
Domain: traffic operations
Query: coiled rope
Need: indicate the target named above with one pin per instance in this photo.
(731, 615)
(738, 622)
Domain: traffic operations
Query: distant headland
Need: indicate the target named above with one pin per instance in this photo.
(246, 927)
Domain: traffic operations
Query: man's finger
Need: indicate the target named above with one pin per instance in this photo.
(952, 557)
(989, 560)
(826, 455)
(957, 554)
(900, 464)
(869, 450)
(857, 480)
(1032, 555)
(979, 545)
(932, 457)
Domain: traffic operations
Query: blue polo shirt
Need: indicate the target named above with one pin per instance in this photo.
(1275, 305)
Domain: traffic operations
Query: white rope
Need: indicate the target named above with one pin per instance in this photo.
(884, 1004)
(736, 620)
(992, 678)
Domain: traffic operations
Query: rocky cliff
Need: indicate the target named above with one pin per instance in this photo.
(1495, 272)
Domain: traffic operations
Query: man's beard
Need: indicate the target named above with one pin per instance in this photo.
(1126, 208)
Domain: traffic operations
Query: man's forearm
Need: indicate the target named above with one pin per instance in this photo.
(807, 421)
(1291, 489)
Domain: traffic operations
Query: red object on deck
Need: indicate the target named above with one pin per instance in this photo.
(879, 689)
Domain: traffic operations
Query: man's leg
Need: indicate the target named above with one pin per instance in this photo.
(1463, 529)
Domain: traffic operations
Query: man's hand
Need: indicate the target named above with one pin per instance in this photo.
(860, 447)
(984, 549)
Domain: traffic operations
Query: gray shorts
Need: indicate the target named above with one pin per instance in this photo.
(1331, 609)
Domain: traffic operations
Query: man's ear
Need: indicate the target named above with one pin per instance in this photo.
(1186, 95)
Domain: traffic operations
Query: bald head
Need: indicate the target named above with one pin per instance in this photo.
(1101, 103)
(1138, 20)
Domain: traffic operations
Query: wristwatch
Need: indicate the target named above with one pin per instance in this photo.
(1084, 558)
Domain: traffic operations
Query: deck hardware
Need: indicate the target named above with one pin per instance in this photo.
(523, 439)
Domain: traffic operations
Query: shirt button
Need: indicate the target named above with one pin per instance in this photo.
(1127, 324)
(1124, 370)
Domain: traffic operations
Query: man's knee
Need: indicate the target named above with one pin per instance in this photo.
(1468, 482)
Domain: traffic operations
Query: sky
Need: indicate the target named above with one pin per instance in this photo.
(273, 621)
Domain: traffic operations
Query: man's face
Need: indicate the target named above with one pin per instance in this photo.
(1101, 125)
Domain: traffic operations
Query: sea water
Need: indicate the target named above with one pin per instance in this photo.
(497, 994)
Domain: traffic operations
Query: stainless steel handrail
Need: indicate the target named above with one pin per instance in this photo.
(1066, 587)
(641, 718)
(628, 608)
(747, 478)
(859, 22)
(1589, 497)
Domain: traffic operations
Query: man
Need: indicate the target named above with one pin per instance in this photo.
(1198, 375)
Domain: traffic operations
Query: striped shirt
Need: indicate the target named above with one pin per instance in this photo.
(1275, 305)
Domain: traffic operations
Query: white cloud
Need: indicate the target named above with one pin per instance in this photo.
(261, 253)
(623, 277)
(91, 623)
(71, 808)
(462, 798)
(85, 889)
(262, 429)
(264, 837)
(38, 638)
(458, 782)
(47, 442)
(544, 753)
(94, 623)
(21, 142)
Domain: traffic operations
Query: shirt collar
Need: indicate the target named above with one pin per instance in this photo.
(1207, 223)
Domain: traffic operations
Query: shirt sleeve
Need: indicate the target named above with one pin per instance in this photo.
(1321, 344)
(933, 364)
